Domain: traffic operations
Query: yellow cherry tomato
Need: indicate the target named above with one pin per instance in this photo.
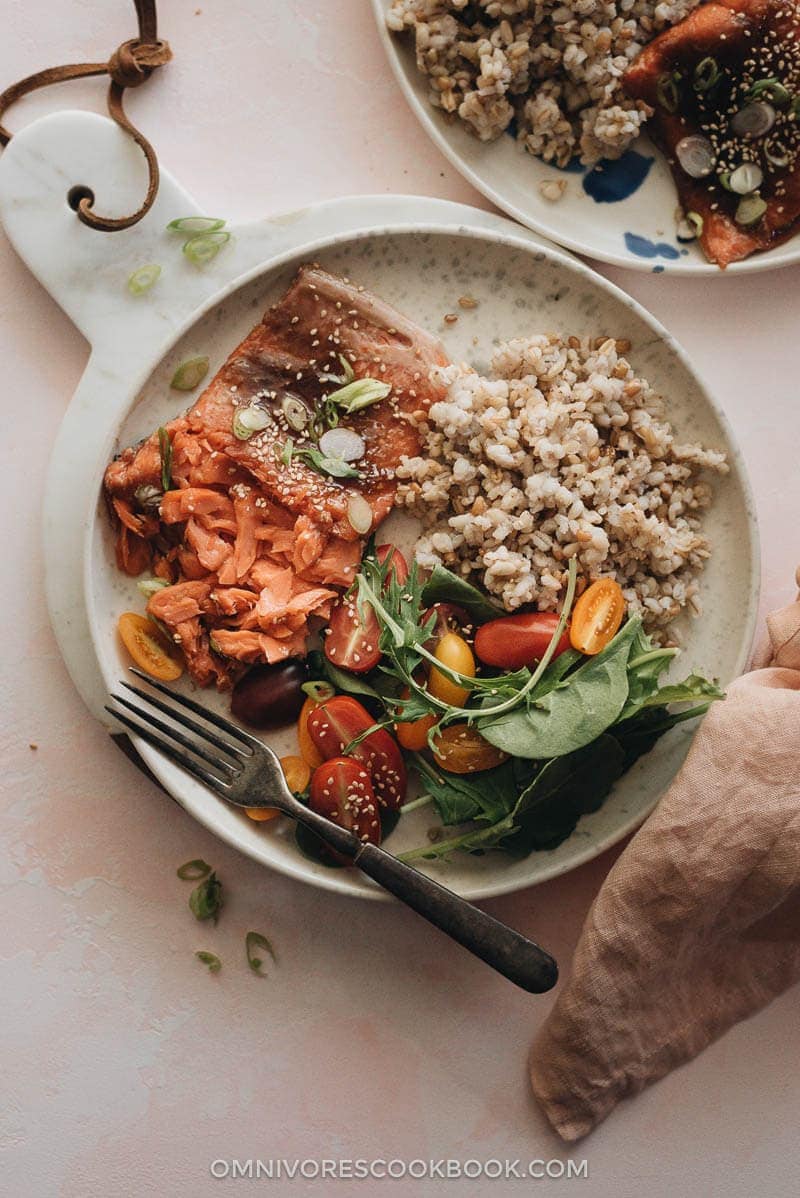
(460, 749)
(414, 733)
(308, 750)
(148, 647)
(454, 652)
(297, 774)
(596, 616)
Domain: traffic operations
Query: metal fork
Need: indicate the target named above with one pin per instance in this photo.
(247, 773)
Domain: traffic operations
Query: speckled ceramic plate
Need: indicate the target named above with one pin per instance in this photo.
(622, 212)
(519, 289)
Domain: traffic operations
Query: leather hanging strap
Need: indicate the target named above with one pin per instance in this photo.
(129, 66)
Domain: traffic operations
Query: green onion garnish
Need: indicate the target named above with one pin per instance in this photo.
(189, 374)
(149, 587)
(210, 959)
(667, 92)
(196, 224)
(143, 278)
(205, 901)
(255, 940)
(206, 246)
(318, 691)
(249, 420)
(770, 89)
(359, 394)
(165, 447)
(750, 210)
(193, 870)
(706, 74)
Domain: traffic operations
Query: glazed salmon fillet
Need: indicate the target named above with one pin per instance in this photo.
(746, 56)
(252, 540)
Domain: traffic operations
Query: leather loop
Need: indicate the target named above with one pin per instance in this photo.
(129, 66)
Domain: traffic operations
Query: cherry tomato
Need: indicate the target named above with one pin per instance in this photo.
(269, 696)
(308, 750)
(596, 616)
(149, 647)
(454, 652)
(516, 641)
(341, 791)
(398, 563)
(461, 749)
(297, 774)
(337, 722)
(352, 643)
(413, 734)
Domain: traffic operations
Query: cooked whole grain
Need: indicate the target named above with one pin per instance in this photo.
(554, 66)
(561, 452)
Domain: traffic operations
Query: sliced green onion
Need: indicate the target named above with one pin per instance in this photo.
(247, 421)
(746, 178)
(335, 467)
(189, 374)
(165, 448)
(193, 870)
(795, 109)
(202, 249)
(725, 179)
(770, 89)
(750, 210)
(359, 394)
(143, 278)
(776, 152)
(148, 497)
(151, 586)
(287, 452)
(255, 940)
(320, 692)
(296, 413)
(667, 93)
(706, 74)
(196, 224)
(690, 227)
(359, 514)
(205, 901)
(210, 959)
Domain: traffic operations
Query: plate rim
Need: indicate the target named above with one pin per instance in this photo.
(425, 114)
(294, 866)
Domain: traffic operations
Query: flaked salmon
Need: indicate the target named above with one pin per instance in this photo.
(728, 78)
(251, 537)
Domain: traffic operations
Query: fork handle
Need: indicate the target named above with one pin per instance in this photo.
(510, 953)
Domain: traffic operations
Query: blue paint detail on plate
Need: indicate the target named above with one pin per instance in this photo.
(658, 270)
(573, 167)
(643, 247)
(612, 181)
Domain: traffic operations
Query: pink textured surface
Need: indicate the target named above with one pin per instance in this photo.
(126, 1069)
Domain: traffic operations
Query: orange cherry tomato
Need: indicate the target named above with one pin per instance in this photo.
(149, 647)
(454, 652)
(460, 749)
(297, 774)
(596, 616)
(308, 750)
(413, 734)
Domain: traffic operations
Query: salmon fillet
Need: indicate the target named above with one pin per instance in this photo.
(750, 41)
(252, 548)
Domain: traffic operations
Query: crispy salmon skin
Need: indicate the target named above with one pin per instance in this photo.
(251, 539)
(730, 66)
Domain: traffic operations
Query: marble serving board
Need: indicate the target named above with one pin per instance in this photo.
(417, 253)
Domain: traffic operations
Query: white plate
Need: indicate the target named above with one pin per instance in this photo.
(637, 232)
(418, 254)
(519, 290)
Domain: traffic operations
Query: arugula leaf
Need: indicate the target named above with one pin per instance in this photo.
(445, 587)
(638, 735)
(575, 712)
(692, 688)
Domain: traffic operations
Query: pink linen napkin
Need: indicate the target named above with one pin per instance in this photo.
(698, 923)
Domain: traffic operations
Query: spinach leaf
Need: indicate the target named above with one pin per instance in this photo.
(487, 795)
(445, 587)
(564, 790)
(638, 735)
(575, 712)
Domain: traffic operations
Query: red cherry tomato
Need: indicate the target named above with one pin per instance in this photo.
(352, 641)
(397, 562)
(449, 618)
(337, 722)
(516, 641)
(341, 791)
